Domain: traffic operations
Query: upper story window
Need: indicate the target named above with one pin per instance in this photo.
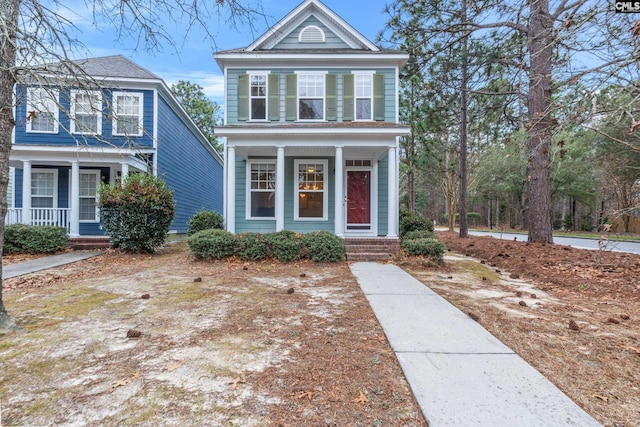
(86, 112)
(127, 113)
(258, 96)
(311, 34)
(42, 110)
(311, 96)
(363, 96)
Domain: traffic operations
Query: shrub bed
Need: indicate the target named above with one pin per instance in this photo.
(204, 220)
(212, 244)
(411, 221)
(251, 246)
(323, 246)
(34, 239)
(284, 245)
(429, 247)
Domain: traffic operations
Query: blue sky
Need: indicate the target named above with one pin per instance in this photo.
(193, 59)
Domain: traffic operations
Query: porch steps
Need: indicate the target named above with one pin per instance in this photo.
(82, 243)
(370, 249)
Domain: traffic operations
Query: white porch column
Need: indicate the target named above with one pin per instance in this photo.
(124, 173)
(74, 199)
(392, 227)
(230, 209)
(280, 189)
(339, 192)
(26, 192)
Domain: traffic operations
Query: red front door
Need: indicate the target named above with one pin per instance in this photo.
(358, 200)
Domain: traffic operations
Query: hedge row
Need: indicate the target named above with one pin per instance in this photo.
(285, 246)
(30, 239)
(418, 238)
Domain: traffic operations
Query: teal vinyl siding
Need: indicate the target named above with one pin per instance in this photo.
(269, 225)
(233, 114)
(331, 40)
(383, 196)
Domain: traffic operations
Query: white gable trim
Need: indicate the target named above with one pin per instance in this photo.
(298, 15)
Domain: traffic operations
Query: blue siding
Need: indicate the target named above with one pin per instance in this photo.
(187, 167)
(63, 138)
(383, 196)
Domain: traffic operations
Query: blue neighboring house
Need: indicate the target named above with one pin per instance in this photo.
(72, 134)
(312, 129)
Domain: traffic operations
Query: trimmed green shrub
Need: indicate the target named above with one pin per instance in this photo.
(323, 246)
(419, 234)
(138, 213)
(284, 245)
(432, 248)
(204, 220)
(251, 246)
(411, 221)
(211, 244)
(34, 239)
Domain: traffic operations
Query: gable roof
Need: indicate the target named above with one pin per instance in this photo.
(114, 66)
(297, 16)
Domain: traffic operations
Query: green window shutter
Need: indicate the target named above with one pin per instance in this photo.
(378, 97)
(347, 97)
(243, 97)
(274, 97)
(292, 97)
(331, 112)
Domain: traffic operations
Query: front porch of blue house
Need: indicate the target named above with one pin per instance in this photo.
(62, 195)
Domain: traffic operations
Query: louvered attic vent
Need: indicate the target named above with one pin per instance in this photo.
(311, 34)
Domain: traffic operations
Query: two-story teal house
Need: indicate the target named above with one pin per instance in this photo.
(72, 134)
(312, 129)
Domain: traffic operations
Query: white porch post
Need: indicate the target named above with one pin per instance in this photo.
(392, 227)
(230, 218)
(74, 199)
(339, 192)
(280, 189)
(124, 172)
(26, 192)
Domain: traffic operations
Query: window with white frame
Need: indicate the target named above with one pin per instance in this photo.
(258, 96)
(43, 188)
(311, 96)
(42, 110)
(311, 201)
(261, 191)
(86, 112)
(363, 96)
(89, 182)
(127, 114)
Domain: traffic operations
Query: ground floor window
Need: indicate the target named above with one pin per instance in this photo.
(43, 188)
(89, 182)
(311, 201)
(261, 189)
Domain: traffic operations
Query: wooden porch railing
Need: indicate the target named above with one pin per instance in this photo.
(58, 217)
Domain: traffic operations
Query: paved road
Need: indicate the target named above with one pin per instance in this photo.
(576, 242)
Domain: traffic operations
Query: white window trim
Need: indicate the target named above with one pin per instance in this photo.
(97, 173)
(325, 190)
(248, 191)
(266, 96)
(55, 186)
(52, 102)
(356, 97)
(115, 95)
(97, 112)
(324, 94)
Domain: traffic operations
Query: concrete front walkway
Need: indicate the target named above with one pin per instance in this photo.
(460, 374)
(38, 264)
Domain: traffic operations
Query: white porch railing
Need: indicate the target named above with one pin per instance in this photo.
(58, 217)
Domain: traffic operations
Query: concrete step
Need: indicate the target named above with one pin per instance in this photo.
(84, 243)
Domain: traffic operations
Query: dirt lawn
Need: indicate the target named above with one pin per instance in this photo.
(572, 314)
(220, 344)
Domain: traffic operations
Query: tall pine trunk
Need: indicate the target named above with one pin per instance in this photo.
(462, 208)
(539, 103)
(9, 18)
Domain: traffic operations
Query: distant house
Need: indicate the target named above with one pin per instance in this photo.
(72, 134)
(312, 129)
